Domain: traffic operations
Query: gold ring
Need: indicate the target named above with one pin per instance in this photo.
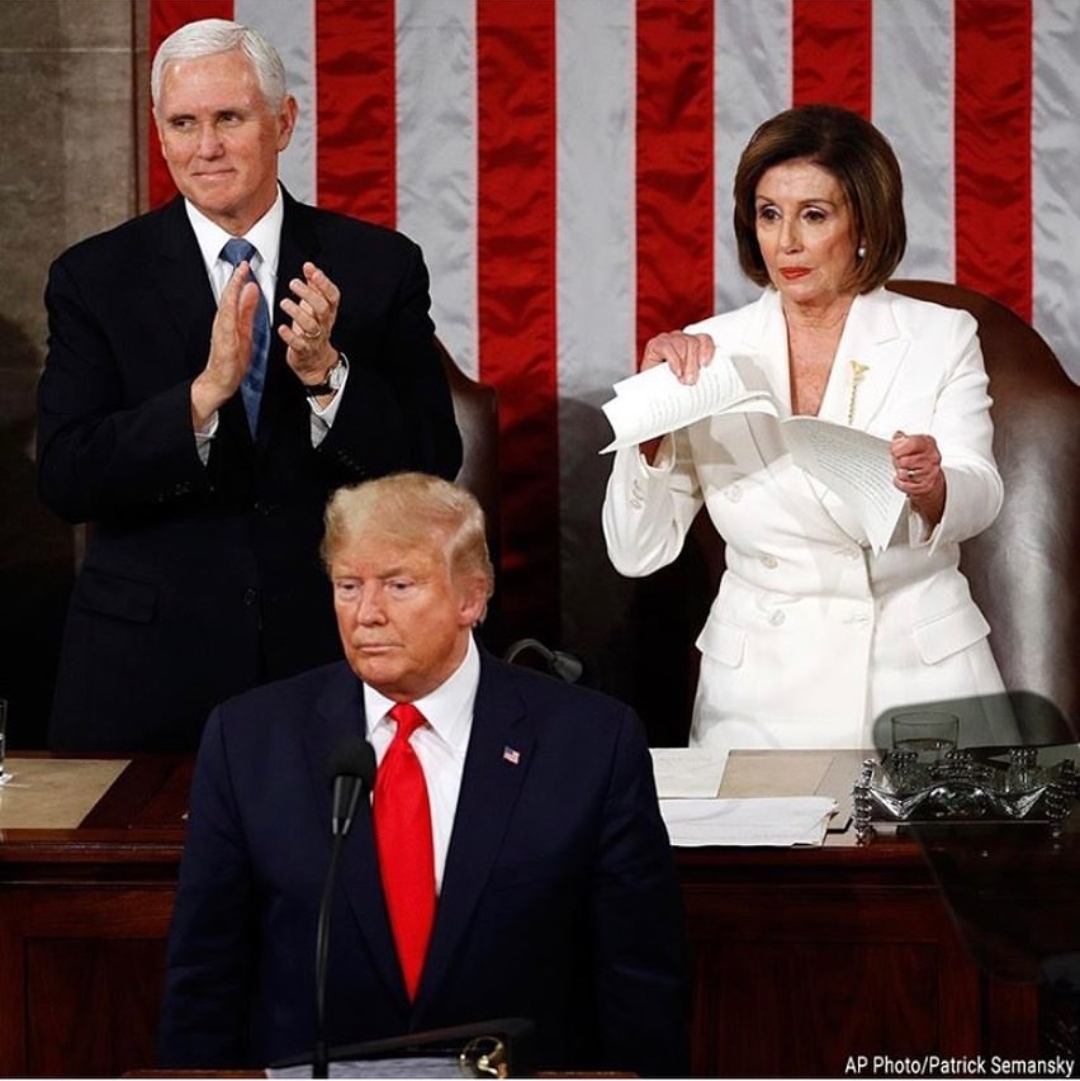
(312, 335)
(911, 474)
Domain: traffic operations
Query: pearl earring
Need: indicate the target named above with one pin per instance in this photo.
(860, 252)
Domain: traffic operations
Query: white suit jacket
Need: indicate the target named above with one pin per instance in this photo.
(812, 635)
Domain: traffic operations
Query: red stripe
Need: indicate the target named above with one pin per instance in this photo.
(517, 301)
(832, 48)
(993, 150)
(674, 164)
(165, 17)
(357, 122)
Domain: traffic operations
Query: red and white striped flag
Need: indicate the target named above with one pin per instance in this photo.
(567, 166)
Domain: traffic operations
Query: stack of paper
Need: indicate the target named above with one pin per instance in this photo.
(776, 821)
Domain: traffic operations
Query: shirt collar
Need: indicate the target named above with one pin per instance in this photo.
(265, 235)
(448, 709)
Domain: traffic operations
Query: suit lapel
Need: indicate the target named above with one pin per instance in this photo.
(871, 338)
(764, 342)
(496, 764)
(299, 244)
(873, 341)
(174, 262)
(282, 397)
(339, 716)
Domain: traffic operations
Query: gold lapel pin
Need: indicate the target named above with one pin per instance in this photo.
(857, 372)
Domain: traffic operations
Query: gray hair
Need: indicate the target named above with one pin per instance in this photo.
(206, 37)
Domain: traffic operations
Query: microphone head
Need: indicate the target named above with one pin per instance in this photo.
(353, 757)
(567, 667)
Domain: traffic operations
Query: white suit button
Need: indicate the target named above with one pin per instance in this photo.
(734, 493)
(770, 562)
(777, 619)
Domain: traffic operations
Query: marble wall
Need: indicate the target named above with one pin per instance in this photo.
(73, 116)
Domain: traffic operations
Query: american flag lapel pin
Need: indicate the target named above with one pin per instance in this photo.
(511, 756)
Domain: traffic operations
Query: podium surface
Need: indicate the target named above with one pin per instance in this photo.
(800, 958)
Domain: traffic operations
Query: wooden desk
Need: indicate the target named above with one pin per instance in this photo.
(800, 958)
(84, 913)
(804, 958)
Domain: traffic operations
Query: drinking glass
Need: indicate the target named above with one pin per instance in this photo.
(930, 734)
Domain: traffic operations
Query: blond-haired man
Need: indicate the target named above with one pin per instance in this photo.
(554, 892)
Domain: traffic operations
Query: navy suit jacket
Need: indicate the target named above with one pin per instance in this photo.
(559, 900)
(202, 581)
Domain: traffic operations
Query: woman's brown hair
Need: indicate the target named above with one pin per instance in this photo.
(863, 163)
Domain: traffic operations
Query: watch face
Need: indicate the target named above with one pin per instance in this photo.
(336, 376)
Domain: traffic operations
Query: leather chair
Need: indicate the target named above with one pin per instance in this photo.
(476, 409)
(1024, 570)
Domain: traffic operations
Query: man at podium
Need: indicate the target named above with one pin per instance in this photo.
(510, 860)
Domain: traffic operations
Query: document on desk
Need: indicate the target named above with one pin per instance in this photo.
(773, 821)
(686, 772)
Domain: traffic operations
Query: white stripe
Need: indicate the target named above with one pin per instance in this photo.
(752, 81)
(436, 160)
(290, 27)
(595, 111)
(595, 196)
(912, 96)
(1055, 168)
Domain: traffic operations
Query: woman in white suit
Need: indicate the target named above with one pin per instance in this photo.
(813, 634)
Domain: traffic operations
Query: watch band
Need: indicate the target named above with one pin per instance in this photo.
(335, 376)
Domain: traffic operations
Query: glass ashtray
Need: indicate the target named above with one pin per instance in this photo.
(962, 785)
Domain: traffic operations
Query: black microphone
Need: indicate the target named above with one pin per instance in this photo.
(351, 769)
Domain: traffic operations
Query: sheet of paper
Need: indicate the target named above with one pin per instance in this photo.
(653, 402)
(857, 466)
(686, 772)
(775, 822)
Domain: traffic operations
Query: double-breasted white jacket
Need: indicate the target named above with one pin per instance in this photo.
(813, 636)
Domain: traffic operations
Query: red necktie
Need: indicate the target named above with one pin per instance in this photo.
(403, 839)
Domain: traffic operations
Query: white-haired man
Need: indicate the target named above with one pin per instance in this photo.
(215, 369)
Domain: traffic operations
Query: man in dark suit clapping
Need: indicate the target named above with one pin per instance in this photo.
(216, 368)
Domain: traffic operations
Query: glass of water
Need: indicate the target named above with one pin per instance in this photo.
(929, 734)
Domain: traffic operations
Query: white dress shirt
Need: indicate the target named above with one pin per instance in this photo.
(440, 744)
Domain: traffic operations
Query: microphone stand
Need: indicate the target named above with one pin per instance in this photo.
(352, 772)
(320, 1063)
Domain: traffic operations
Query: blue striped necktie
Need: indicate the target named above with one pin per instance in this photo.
(235, 252)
